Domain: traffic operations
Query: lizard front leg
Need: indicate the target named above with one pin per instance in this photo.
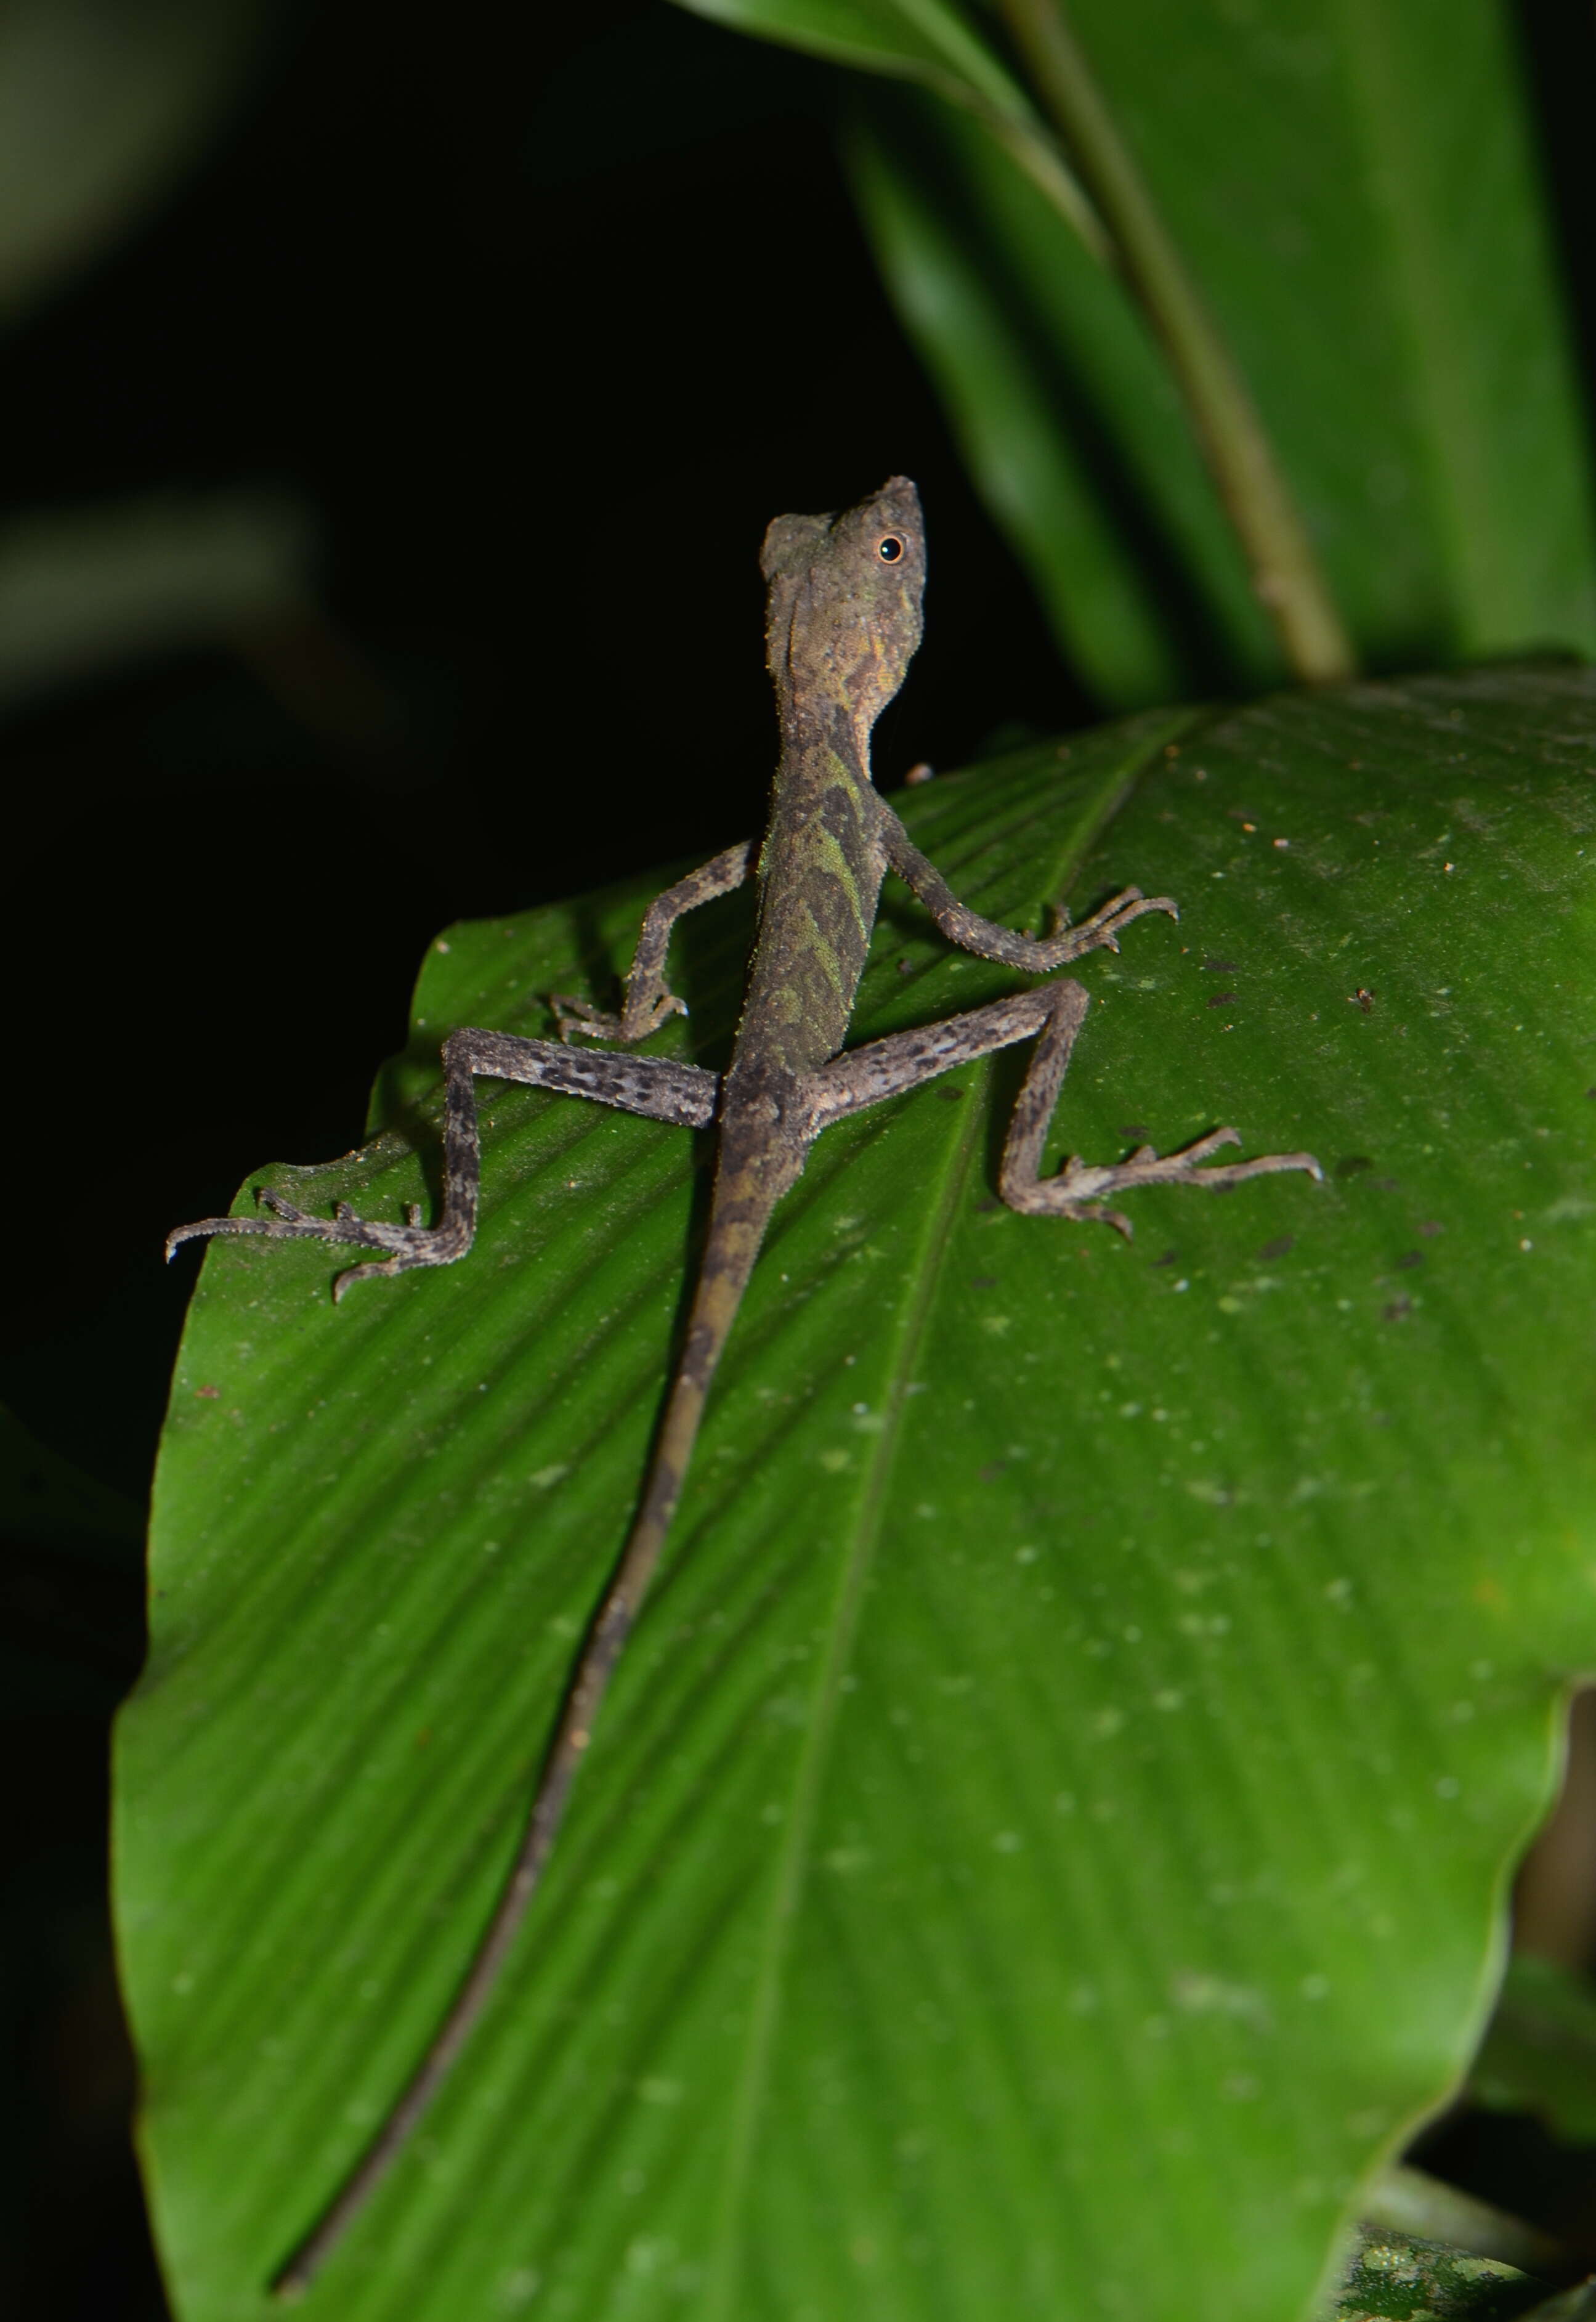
(1036, 956)
(649, 1000)
(654, 1086)
(1052, 1016)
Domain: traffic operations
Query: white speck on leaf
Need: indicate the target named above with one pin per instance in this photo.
(521, 2286)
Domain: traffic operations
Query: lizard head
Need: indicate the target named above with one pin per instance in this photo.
(843, 609)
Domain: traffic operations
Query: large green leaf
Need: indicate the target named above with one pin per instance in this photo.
(1046, 1839)
(1352, 189)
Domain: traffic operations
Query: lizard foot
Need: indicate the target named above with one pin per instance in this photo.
(579, 1016)
(409, 1244)
(575, 1017)
(1080, 1185)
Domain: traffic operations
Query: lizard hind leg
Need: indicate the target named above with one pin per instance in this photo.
(1052, 1015)
(1081, 1186)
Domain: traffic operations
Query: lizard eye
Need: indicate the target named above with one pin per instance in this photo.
(890, 549)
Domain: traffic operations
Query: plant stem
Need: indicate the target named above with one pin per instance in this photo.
(1285, 570)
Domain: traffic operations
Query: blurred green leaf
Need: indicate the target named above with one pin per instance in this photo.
(1539, 2055)
(1405, 2202)
(86, 589)
(930, 41)
(101, 108)
(937, 44)
(1577, 2304)
(1356, 189)
(1354, 192)
(1045, 1845)
(1069, 421)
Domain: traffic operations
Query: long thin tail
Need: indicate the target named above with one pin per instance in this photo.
(736, 1229)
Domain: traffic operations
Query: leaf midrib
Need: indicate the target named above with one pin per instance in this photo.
(1117, 786)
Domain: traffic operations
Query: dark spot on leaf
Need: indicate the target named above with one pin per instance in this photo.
(983, 1282)
(1279, 1247)
(984, 1209)
(210, 1392)
(1220, 998)
(905, 967)
(1385, 1184)
(1431, 1226)
(1134, 1129)
(1220, 966)
(991, 1471)
(1411, 1258)
(1398, 1311)
(1353, 1165)
(950, 1095)
(1170, 1257)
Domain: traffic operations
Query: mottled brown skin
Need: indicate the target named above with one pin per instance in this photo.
(843, 621)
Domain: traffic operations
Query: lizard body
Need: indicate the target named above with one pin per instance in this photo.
(844, 620)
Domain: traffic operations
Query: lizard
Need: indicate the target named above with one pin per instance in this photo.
(843, 619)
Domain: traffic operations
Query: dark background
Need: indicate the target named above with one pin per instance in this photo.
(544, 322)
